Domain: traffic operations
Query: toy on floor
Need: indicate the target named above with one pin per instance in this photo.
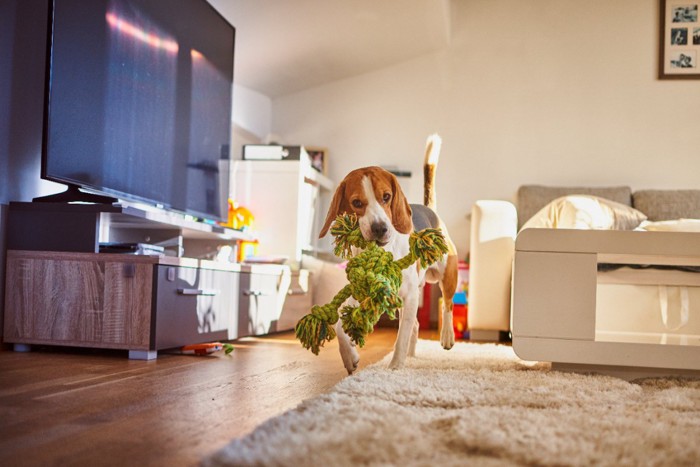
(206, 349)
(374, 281)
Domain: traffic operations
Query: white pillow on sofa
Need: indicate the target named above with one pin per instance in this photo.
(677, 225)
(585, 212)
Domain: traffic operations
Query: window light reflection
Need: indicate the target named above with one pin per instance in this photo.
(139, 34)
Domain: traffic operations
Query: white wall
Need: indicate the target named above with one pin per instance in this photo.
(251, 119)
(556, 92)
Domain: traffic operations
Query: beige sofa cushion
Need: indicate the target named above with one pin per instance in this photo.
(663, 205)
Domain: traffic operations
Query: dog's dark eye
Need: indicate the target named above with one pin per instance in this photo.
(356, 203)
(386, 197)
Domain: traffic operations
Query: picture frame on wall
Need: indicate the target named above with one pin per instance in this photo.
(318, 158)
(679, 44)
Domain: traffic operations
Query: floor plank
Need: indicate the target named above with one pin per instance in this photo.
(84, 407)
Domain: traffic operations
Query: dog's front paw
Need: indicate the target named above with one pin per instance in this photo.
(396, 363)
(447, 337)
(352, 366)
(351, 358)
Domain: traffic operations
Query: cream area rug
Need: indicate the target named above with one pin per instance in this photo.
(480, 405)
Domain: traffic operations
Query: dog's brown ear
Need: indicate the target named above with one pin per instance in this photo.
(400, 209)
(335, 208)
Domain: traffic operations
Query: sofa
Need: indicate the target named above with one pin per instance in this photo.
(496, 223)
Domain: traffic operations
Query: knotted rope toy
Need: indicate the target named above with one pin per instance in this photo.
(374, 281)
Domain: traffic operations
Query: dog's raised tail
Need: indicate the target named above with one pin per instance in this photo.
(432, 154)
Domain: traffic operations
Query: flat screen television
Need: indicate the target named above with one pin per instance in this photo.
(138, 102)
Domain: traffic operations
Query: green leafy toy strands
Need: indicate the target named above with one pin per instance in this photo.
(374, 281)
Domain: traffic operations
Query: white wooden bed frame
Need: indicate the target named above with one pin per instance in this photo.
(554, 299)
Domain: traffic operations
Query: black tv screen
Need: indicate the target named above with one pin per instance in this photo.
(138, 101)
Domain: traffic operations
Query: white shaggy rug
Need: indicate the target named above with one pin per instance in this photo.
(480, 405)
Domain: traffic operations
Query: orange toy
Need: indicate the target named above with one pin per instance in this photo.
(205, 349)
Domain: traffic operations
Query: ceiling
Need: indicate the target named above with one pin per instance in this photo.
(286, 46)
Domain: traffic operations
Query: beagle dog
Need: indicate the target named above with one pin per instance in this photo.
(386, 217)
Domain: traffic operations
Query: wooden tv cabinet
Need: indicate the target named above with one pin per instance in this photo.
(142, 304)
(139, 303)
(61, 291)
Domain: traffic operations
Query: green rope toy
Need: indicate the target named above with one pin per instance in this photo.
(374, 281)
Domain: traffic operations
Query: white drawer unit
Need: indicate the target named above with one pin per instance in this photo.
(564, 310)
(263, 290)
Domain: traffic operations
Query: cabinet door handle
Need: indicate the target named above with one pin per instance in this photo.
(208, 292)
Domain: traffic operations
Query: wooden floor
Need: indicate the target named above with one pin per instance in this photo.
(78, 407)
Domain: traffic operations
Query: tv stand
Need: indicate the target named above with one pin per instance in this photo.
(61, 291)
(73, 194)
(138, 303)
(52, 226)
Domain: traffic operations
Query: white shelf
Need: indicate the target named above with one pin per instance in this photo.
(138, 217)
(285, 199)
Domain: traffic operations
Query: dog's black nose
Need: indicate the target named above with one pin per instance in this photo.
(378, 229)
